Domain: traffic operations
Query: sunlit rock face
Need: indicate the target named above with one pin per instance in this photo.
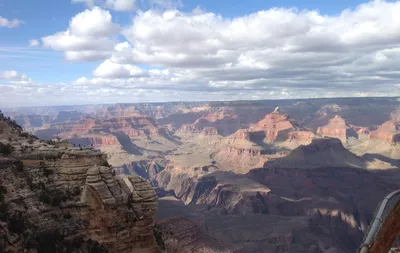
(337, 128)
(388, 132)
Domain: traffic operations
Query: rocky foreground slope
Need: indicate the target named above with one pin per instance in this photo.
(56, 198)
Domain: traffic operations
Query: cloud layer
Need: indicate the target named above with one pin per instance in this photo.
(274, 53)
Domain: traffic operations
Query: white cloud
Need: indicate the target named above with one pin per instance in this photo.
(121, 5)
(108, 69)
(116, 5)
(12, 75)
(9, 23)
(87, 37)
(273, 48)
(176, 39)
(34, 43)
(198, 55)
(93, 23)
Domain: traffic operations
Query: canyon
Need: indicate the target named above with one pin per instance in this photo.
(232, 176)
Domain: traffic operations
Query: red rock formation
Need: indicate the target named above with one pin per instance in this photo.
(158, 114)
(188, 128)
(208, 131)
(362, 133)
(363, 130)
(139, 125)
(103, 140)
(244, 151)
(336, 128)
(239, 160)
(121, 111)
(96, 140)
(224, 123)
(280, 127)
(132, 126)
(388, 132)
(241, 134)
(84, 127)
(301, 137)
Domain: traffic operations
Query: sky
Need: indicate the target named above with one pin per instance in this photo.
(111, 51)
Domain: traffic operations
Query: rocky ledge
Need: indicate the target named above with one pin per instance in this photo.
(56, 198)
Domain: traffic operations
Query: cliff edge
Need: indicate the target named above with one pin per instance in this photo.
(57, 198)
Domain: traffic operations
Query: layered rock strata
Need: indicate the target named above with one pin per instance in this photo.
(55, 198)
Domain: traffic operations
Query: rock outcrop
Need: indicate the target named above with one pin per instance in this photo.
(234, 193)
(55, 198)
(363, 133)
(209, 131)
(337, 128)
(388, 132)
(324, 152)
(238, 159)
(188, 129)
(301, 137)
(225, 124)
(144, 168)
(96, 140)
(181, 235)
(279, 127)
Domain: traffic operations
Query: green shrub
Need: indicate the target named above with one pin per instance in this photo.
(18, 166)
(3, 190)
(6, 149)
(16, 223)
(50, 142)
(46, 171)
(158, 236)
(95, 247)
(3, 206)
(25, 134)
(55, 242)
(49, 242)
(53, 197)
(105, 164)
(67, 216)
(75, 191)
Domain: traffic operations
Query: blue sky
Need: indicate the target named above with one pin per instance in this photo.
(47, 64)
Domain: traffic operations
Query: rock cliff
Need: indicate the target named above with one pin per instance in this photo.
(224, 124)
(337, 128)
(181, 235)
(234, 194)
(207, 131)
(320, 153)
(56, 198)
(279, 127)
(389, 132)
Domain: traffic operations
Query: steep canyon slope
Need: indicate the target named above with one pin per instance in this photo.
(57, 198)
